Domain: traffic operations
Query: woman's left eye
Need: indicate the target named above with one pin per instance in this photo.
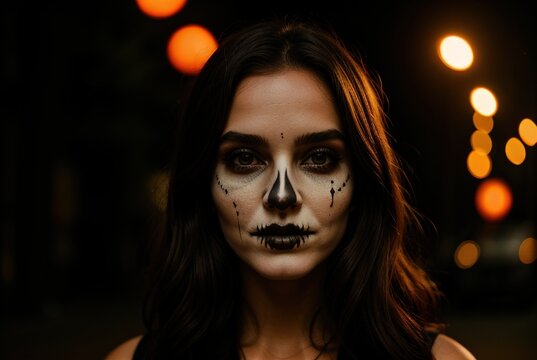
(321, 160)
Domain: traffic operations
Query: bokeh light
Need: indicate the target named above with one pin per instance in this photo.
(160, 8)
(158, 189)
(479, 164)
(483, 101)
(482, 122)
(493, 199)
(481, 141)
(515, 151)
(456, 53)
(528, 131)
(527, 252)
(466, 254)
(190, 47)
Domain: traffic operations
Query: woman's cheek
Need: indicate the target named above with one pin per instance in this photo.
(233, 199)
(340, 193)
(223, 197)
(328, 194)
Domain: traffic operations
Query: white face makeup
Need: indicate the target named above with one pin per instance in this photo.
(282, 184)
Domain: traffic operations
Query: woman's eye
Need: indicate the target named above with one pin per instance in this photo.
(243, 161)
(321, 160)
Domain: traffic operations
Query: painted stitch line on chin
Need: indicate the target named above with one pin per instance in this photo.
(282, 230)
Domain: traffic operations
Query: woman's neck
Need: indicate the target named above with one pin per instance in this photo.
(279, 315)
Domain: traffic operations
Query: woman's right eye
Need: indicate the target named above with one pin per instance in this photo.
(243, 161)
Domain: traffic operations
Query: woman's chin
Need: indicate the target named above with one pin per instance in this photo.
(284, 268)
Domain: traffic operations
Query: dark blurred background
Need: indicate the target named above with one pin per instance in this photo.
(89, 105)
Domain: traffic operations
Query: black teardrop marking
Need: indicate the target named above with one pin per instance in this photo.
(332, 192)
(238, 221)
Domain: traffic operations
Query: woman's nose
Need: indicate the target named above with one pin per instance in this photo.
(282, 195)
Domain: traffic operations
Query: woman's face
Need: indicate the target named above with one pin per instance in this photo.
(283, 183)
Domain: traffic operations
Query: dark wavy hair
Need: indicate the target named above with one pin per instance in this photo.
(379, 299)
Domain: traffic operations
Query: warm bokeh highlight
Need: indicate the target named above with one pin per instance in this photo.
(527, 252)
(515, 151)
(528, 131)
(160, 8)
(483, 101)
(456, 53)
(493, 199)
(466, 254)
(190, 47)
(479, 164)
(481, 141)
(482, 122)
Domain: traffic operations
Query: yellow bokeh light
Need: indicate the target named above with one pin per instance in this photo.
(493, 199)
(160, 8)
(515, 151)
(467, 254)
(190, 47)
(479, 164)
(482, 122)
(527, 252)
(528, 131)
(483, 101)
(456, 53)
(481, 141)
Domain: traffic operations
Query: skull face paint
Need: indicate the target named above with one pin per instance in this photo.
(282, 195)
(333, 191)
(289, 222)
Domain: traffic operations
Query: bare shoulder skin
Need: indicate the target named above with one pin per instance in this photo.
(447, 348)
(124, 351)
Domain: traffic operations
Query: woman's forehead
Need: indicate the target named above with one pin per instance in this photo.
(289, 100)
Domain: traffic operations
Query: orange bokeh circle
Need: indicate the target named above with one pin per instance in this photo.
(190, 47)
(160, 8)
(493, 199)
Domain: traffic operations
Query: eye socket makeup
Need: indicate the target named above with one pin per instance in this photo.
(278, 237)
(243, 161)
(316, 152)
(321, 160)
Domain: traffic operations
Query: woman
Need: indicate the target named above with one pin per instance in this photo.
(288, 235)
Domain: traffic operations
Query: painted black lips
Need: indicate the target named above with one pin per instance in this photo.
(285, 237)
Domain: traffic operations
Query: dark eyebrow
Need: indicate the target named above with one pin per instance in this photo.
(247, 139)
(319, 137)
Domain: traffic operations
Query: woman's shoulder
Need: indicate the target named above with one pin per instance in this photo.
(447, 348)
(124, 351)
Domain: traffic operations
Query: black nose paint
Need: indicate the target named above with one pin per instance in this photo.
(281, 200)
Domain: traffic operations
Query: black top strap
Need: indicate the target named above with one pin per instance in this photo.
(431, 336)
(142, 349)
